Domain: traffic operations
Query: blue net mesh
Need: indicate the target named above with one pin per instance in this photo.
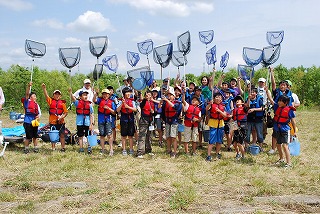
(111, 62)
(178, 59)
(69, 57)
(244, 72)
(35, 49)
(184, 43)
(275, 37)
(98, 45)
(270, 55)
(211, 56)
(145, 47)
(97, 71)
(252, 56)
(163, 54)
(206, 37)
(136, 73)
(133, 58)
(224, 60)
(148, 76)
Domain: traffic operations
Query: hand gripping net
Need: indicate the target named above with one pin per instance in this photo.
(270, 55)
(184, 43)
(206, 37)
(98, 45)
(178, 59)
(69, 57)
(224, 60)
(145, 47)
(163, 54)
(35, 49)
(244, 72)
(275, 37)
(111, 62)
(252, 56)
(97, 71)
(211, 56)
(133, 58)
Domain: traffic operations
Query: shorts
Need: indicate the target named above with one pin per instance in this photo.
(60, 127)
(239, 135)
(82, 131)
(226, 128)
(281, 137)
(105, 128)
(216, 135)
(158, 123)
(31, 132)
(171, 130)
(127, 128)
(191, 134)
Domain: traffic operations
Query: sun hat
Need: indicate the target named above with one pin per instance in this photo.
(57, 91)
(262, 79)
(105, 91)
(86, 81)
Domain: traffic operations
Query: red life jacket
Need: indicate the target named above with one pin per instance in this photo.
(239, 115)
(31, 108)
(56, 107)
(126, 110)
(213, 113)
(83, 107)
(146, 110)
(282, 114)
(192, 112)
(170, 112)
(103, 103)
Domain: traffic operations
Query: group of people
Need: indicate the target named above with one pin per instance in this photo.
(225, 110)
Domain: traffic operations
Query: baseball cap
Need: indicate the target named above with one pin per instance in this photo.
(166, 80)
(164, 87)
(82, 92)
(262, 79)
(57, 92)
(177, 87)
(105, 91)
(289, 82)
(197, 88)
(171, 91)
(247, 82)
(86, 81)
(238, 98)
(234, 79)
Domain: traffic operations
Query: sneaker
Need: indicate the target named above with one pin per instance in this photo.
(271, 151)
(102, 151)
(209, 158)
(119, 145)
(124, 153)
(140, 156)
(173, 155)
(111, 153)
(131, 152)
(287, 165)
(89, 150)
(26, 151)
(36, 150)
(62, 150)
(219, 156)
(53, 149)
(194, 154)
(238, 156)
(279, 162)
(261, 149)
(81, 150)
(151, 154)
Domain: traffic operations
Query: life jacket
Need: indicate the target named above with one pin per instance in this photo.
(83, 107)
(146, 110)
(171, 113)
(103, 103)
(31, 108)
(256, 104)
(125, 110)
(281, 116)
(213, 113)
(279, 93)
(192, 112)
(56, 107)
(227, 105)
(239, 115)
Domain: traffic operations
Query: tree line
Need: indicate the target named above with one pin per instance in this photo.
(306, 82)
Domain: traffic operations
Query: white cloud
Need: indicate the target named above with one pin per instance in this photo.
(141, 23)
(52, 23)
(91, 22)
(17, 5)
(157, 38)
(73, 41)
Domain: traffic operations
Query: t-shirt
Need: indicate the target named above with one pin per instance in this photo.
(83, 119)
(54, 118)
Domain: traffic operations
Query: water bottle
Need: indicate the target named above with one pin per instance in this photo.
(0, 127)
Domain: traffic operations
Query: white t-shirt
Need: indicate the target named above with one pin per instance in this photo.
(295, 98)
(90, 93)
(2, 99)
(262, 92)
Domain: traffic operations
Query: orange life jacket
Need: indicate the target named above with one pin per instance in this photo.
(239, 114)
(213, 113)
(103, 103)
(282, 114)
(56, 107)
(83, 107)
(31, 108)
(192, 112)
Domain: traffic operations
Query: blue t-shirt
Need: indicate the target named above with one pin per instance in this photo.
(29, 117)
(102, 118)
(282, 127)
(83, 119)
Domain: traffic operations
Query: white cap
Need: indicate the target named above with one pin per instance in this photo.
(262, 79)
(171, 91)
(247, 82)
(86, 81)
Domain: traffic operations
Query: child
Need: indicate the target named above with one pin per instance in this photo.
(84, 119)
(216, 112)
(127, 107)
(57, 112)
(157, 119)
(191, 123)
(32, 114)
(239, 115)
(228, 103)
(106, 110)
(147, 113)
(172, 109)
(202, 106)
(114, 97)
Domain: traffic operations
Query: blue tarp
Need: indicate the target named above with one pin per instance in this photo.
(15, 131)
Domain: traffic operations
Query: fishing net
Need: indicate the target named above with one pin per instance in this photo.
(141, 77)
(178, 59)
(184, 43)
(275, 37)
(252, 56)
(224, 60)
(69, 57)
(244, 72)
(98, 45)
(206, 37)
(148, 77)
(163, 54)
(111, 62)
(145, 47)
(35, 49)
(270, 55)
(97, 71)
(133, 58)
(211, 56)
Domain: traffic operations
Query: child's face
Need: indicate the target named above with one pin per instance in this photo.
(56, 96)
(281, 104)
(227, 95)
(224, 86)
(239, 103)
(105, 95)
(127, 95)
(154, 94)
(253, 94)
(170, 97)
(111, 91)
(217, 99)
(194, 102)
(283, 86)
(191, 88)
(177, 92)
(197, 93)
(33, 97)
(148, 96)
(233, 83)
(84, 96)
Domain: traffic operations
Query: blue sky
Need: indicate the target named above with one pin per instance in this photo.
(236, 23)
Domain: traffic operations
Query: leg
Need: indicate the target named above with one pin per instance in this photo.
(287, 153)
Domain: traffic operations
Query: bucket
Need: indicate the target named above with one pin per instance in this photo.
(206, 135)
(180, 127)
(294, 147)
(54, 134)
(92, 139)
(151, 128)
(254, 149)
(13, 115)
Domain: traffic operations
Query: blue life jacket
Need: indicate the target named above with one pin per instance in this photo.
(257, 103)
(279, 93)
(227, 104)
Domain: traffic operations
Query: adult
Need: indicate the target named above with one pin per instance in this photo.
(2, 99)
(125, 84)
(154, 86)
(86, 87)
(296, 101)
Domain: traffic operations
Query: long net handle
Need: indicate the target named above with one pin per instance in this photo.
(31, 73)
(213, 76)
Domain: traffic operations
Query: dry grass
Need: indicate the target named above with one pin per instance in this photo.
(158, 184)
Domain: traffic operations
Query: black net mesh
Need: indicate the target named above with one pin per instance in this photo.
(97, 71)
(211, 56)
(224, 60)
(163, 54)
(270, 55)
(275, 37)
(98, 45)
(145, 47)
(206, 37)
(178, 59)
(35, 49)
(252, 56)
(69, 57)
(111, 62)
(133, 58)
(184, 43)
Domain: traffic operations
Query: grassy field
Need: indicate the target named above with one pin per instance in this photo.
(54, 182)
